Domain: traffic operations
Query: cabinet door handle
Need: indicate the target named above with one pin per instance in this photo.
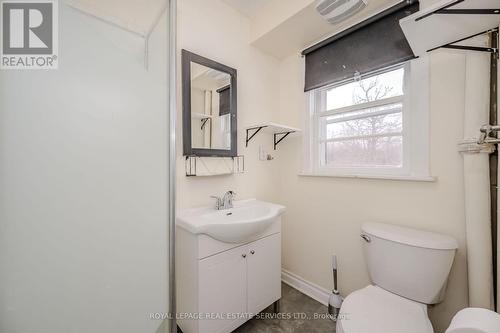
(244, 255)
(252, 252)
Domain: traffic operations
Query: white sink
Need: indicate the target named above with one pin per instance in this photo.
(235, 225)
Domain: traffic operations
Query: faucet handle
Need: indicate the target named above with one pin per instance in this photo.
(227, 200)
(218, 201)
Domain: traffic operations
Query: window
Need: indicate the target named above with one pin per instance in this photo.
(365, 127)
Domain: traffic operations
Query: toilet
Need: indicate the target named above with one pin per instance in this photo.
(409, 270)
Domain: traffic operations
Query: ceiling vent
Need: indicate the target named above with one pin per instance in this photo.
(335, 11)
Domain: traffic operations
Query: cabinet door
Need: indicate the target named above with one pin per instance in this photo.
(264, 272)
(222, 289)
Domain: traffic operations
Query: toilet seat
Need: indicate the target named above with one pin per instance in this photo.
(375, 310)
(475, 320)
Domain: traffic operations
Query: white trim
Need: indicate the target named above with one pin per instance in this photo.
(172, 159)
(319, 98)
(309, 130)
(364, 106)
(415, 133)
(358, 137)
(408, 110)
(310, 289)
(380, 177)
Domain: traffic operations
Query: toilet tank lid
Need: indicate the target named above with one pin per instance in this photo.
(410, 236)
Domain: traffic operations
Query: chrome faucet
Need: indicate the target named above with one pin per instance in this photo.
(218, 202)
(225, 202)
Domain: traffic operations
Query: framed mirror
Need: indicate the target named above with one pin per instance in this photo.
(209, 107)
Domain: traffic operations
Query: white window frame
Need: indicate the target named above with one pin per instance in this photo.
(415, 132)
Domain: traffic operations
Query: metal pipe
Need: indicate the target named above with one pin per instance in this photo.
(465, 38)
(172, 93)
(494, 159)
(490, 128)
(437, 10)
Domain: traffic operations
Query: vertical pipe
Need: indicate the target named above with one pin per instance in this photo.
(477, 183)
(172, 93)
(494, 159)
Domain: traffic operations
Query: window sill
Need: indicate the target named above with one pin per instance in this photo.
(428, 179)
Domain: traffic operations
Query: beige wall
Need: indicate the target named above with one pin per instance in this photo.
(216, 31)
(324, 215)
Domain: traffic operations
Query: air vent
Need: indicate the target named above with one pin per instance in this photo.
(335, 11)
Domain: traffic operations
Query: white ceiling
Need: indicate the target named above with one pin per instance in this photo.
(248, 8)
(282, 27)
(306, 27)
(138, 16)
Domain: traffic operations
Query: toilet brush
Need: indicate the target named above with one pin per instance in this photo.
(335, 301)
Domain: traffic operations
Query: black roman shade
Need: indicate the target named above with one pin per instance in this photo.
(224, 100)
(366, 47)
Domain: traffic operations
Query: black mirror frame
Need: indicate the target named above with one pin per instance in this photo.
(187, 58)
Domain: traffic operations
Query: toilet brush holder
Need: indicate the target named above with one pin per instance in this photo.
(335, 300)
(334, 304)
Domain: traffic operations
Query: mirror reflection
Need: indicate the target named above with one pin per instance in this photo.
(210, 108)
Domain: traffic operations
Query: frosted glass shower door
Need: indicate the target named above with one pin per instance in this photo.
(84, 181)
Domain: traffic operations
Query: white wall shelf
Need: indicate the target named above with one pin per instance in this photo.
(280, 132)
(449, 22)
(198, 115)
(204, 118)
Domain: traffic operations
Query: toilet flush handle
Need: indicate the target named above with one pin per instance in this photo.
(366, 238)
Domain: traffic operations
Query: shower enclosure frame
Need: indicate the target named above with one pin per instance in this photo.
(172, 111)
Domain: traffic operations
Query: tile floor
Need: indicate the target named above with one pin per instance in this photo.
(311, 316)
(292, 301)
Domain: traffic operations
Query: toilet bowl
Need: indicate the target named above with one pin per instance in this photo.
(409, 270)
(376, 310)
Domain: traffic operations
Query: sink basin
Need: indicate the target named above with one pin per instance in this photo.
(235, 225)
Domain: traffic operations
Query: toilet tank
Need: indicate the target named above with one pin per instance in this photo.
(408, 262)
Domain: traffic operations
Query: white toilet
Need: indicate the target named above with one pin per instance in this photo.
(409, 269)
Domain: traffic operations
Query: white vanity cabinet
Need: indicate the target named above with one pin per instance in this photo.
(228, 282)
(263, 273)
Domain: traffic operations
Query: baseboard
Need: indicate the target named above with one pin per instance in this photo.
(310, 289)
